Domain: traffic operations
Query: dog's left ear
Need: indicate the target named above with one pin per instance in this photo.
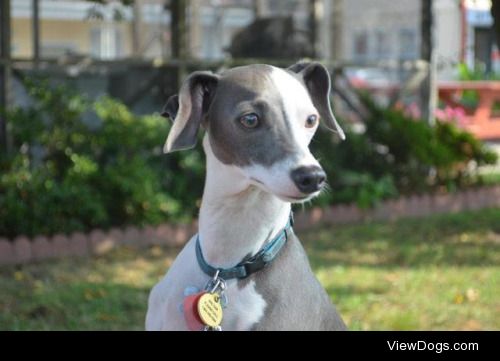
(171, 108)
(188, 109)
(318, 83)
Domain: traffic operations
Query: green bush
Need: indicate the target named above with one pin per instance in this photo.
(398, 155)
(471, 97)
(478, 73)
(78, 164)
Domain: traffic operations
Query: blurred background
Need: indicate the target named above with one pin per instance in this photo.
(92, 213)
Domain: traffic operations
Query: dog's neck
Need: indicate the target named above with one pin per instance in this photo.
(236, 218)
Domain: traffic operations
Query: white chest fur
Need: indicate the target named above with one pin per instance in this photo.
(245, 306)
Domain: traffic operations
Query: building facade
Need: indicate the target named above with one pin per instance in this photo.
(373, 31)
(352, 31)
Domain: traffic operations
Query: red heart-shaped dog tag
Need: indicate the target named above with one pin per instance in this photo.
(191, 316)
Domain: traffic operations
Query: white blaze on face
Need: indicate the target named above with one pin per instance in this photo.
(297, 106)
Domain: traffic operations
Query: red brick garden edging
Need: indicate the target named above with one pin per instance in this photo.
(404, 207)
(24, 250)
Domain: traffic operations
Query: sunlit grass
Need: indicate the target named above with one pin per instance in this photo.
(109, 292)
(435, 273)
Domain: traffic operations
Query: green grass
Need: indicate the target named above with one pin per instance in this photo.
(434, 273)
(491, 178)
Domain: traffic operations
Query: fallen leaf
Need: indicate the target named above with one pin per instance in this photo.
(472, 294)
(458, 299)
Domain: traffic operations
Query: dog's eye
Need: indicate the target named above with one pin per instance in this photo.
(250, 120)
(311, 121)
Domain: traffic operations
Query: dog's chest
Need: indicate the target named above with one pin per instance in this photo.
(245, 308)
(283, 296)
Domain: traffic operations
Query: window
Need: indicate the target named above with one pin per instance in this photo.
(382, 45)
(407, 44)
(361, 45)
(56, 49)
(106, 42)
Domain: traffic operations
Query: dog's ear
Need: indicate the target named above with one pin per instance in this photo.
(318, 84)
(171, 108)
(188, 110)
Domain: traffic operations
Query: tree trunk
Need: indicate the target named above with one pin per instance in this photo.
(426, 30)
(495, 12)
(195, 30)
(36, 32)
(313, 26)
(4, 69)
(179, 33)
(428, 91)
(336, 29)
(136, 29)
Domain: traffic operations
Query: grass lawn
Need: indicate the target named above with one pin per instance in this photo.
(435, 273)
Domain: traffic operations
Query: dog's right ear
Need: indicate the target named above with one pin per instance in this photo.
(188, 109)
(318, 84)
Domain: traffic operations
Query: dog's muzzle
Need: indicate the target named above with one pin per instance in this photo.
(308, 179)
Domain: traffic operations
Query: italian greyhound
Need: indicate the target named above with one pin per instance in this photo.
(258, 122)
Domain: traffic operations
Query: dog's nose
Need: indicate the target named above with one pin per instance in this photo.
(308, 179)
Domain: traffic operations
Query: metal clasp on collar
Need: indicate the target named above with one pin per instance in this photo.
(216, 285)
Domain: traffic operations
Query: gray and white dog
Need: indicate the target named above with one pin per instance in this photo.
(258, 122)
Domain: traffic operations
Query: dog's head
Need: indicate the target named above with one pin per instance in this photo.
(260, 119)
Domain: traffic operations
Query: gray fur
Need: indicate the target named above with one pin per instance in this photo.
(295, 299)
(188, 110)
(218, 102)
(251, 91)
